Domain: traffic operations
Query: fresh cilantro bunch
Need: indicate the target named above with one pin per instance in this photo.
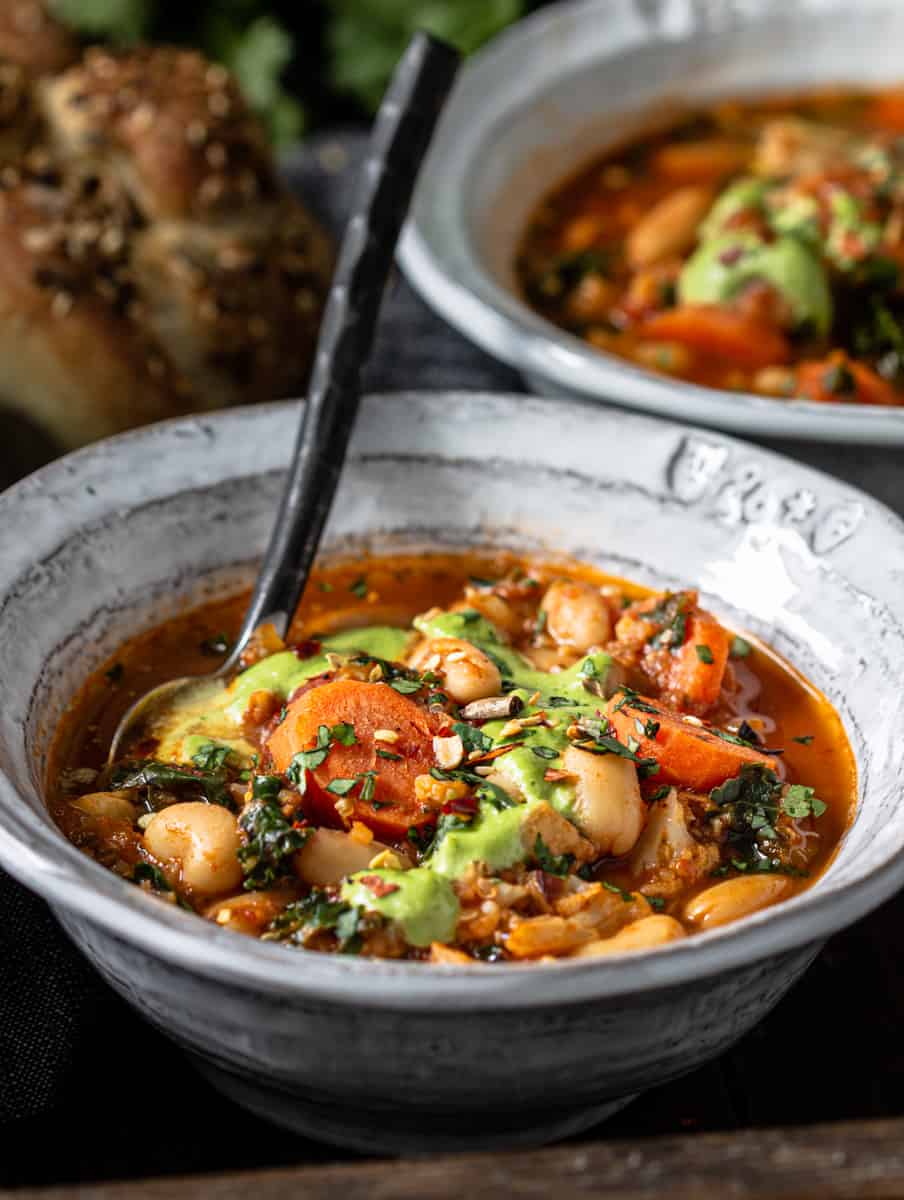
(366, 37)
(241, 34)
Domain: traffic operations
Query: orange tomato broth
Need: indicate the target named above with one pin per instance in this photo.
(347, 593)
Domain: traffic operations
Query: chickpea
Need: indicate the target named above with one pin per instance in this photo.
(202, 840)
(493, 608)
(735, 898)
(608, 807)
(329, 855)
(639, 935)
(468, 674)
(577, 614)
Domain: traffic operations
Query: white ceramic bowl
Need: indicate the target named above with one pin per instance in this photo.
(560, 87)
(389, 1055)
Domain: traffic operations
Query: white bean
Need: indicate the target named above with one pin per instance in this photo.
(329, 855)
(115, 806)
(468, 674)
(735, 898)
(202, 840)
(639, 935)
(608, 807)
(249, 912)
(669, 228)
(492, 608)
(577, 615)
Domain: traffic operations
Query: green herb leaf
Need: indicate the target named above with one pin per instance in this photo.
(157, 776)
(704, 653)
(342, 787)
(271, 839)
(472, 738)
(550, 863)
(613, 887)
(546, 752)
(799, 802)
(739, 647)
(359, 587)
(145, 873)
(212, 756)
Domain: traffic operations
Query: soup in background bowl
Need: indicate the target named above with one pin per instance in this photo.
(575, 84)
(751, 246)
(130, 535)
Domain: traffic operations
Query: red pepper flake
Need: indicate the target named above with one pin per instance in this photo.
(464, 806)
(379, 887)
(729, 257)
(306, 649)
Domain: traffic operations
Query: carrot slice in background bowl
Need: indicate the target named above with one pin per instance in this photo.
(719, 332)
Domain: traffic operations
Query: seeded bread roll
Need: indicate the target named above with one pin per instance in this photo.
(73, 358)
(31, 39)
(152, 262)
(170, 125)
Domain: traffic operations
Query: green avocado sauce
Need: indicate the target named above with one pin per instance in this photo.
(722, 266)
(283, 673)
(211, 713)
(424, 903)
(493, 837)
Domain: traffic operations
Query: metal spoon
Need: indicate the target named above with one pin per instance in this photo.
(402, 132)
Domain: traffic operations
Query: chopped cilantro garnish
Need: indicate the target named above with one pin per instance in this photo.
(799, 802)
(473, 739)
(342, 786)
(546, 752)
(704, 653)
(613, 887)
(739, 647)
(211, 757)
(145, 873)
(550, 863)
(359, 587)
(405, 687)
(804, 740)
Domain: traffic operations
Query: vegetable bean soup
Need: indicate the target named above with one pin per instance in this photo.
(755, 247)
(459, 758)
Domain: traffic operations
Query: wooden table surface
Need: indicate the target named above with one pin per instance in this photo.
(810, 1103)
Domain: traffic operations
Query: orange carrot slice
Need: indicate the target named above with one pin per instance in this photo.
(387, 805)
(689, 754)
(839, 378)
(719, 332)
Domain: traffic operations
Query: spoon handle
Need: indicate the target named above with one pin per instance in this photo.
(401, 135)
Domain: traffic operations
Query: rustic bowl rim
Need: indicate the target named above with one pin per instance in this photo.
(37, 854)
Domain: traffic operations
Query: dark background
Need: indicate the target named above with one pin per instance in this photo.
(303, 63)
